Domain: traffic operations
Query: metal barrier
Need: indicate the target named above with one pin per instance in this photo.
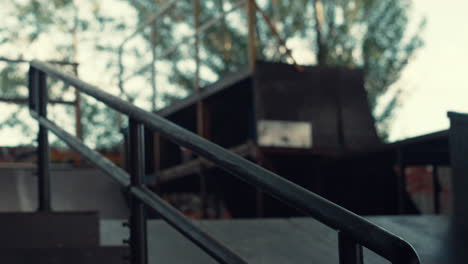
(354, 232)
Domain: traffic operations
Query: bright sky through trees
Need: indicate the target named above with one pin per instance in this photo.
(434, 82)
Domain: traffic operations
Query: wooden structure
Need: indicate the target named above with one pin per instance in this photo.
(313, 127)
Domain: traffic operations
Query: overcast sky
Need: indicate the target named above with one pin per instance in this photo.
(434, 82)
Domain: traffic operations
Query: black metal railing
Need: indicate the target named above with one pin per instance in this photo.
(354, 232)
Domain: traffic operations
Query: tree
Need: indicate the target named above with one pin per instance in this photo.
(368, 34)
(59, 23)
(372, 35)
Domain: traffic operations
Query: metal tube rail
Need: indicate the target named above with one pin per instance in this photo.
(365, 233)
(173, 217)
(138, 229)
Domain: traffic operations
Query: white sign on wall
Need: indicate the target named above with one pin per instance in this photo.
(290, 134)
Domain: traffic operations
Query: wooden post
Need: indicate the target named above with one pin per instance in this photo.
(153, 67)
(78, 124)
(401, 181)
(259, 196)
(252, 41)
(436, 188)
(157, 161)
(196, 16)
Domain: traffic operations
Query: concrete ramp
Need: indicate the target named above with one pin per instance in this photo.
(72, 190)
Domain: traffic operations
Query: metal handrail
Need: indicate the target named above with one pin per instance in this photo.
(167, 212)
(354, 231)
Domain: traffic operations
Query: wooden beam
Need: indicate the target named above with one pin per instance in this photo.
(193, 167)
(25, 101)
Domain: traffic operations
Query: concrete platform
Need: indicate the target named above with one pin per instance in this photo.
(295, 240)
(93, 255)
(72, 190)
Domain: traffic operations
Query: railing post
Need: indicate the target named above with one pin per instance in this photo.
(39, 88)
(436, 188)
(32, 98)
(349, 251)
(138, 240)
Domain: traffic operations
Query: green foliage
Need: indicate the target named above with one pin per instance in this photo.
(59, 22)
(372, 35)
(101, 124)
(368, 34)
(11, 80)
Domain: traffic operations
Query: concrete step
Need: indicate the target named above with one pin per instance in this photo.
(92, 255)
(49, 230)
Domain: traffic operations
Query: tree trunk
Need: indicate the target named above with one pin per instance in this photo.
(319, 22)
(153, 66)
